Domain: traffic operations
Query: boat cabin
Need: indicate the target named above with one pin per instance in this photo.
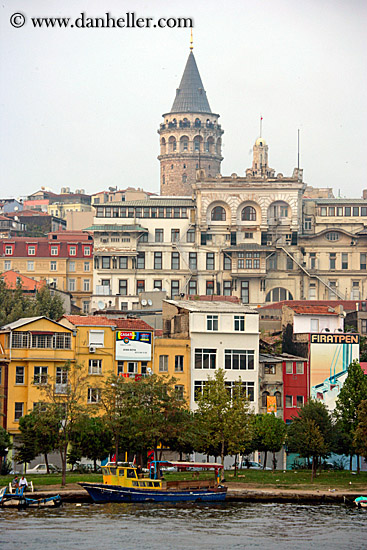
(126, 476)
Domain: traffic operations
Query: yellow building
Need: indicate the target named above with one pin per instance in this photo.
(172, 358)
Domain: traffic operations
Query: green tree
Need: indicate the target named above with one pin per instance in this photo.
(311, 433)
(14, 304)
(49, 305)
(269, 435)
(224, 417)
(360, 434)
(5, 444)
(92, 439)
(64, 410)
(38, 435)
(353, 392)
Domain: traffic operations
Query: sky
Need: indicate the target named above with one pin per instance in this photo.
(80, 107)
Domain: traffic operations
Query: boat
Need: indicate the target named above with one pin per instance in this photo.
(19, 500)
(361, 502)
(122, 483)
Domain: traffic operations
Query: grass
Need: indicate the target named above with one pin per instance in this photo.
(300, 479)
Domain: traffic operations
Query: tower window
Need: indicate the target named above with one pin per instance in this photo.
(184, 166)
(171, 166)
(184, 178)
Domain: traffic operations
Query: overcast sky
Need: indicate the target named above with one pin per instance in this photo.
(80, 108)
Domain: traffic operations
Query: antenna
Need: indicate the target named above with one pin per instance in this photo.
(298, 131)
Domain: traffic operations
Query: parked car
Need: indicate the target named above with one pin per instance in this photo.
(42, 469)
(252, 465)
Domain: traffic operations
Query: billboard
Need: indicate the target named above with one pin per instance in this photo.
(331, 354)
(133, 346)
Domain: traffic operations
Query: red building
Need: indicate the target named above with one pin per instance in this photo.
(296, 384)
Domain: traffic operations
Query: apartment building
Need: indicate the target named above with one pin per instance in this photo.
(63, 259)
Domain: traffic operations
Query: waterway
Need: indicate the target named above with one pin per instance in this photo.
(185, 527)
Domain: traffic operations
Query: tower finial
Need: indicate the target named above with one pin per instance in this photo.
(261, 125)
(191, 42)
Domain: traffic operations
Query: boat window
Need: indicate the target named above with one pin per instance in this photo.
(135, 484)
(156, 483)
(149, 483)
(121, 472)
(142, 484)
(113, 471)
(105, 471)
(130, 474)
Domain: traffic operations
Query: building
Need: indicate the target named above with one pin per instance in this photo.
(190, 136)
(10, 227)
(172, 358)
(66, 201)
(119, 195)
(296, 385)
(63, 259)
(222, 335)
(358, 318)
(36, 223)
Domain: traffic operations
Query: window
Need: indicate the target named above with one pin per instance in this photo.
(272, 262)
(344, 260)
(61, 379)
(332, 290)
(123, 287)
(210, 265)
(96, 338)
(157, 260)
(227, 262)
(175, 289)
(248, 214)
(8, 250)
(94, 395)
(218, 214)
(30, 265)
(314, 325)
(332, 236)
(205, 358)
(364, 326)
(363, 211)
(175, 260)
(132, 367)
(86, 305)
(54, 250)
(140, 286)
(95, 366)
(31, 250)
(86, 266)
(106, 262)
(249, 235)
(198, 388)
(71, 265)
(289, 401)
(307, 224)
(363, 261)
(143, 237)
(120, 368)
(289, 368)
(190, 236)
(71, 285)
(239, 323)
(209, 288)
(239, 359)
(278, 294)
(299, 368)
(332, 260)
(86, 285)
(140, 261)
(87, 250)
(227, 288)
(312, 260)
(72, 250)
(193, 260)
(19, 375)
(212, 322)
(355, 211)
(179, 389)
(163, 363)
(193, 290)
(159, 235)
(269, 368)
(323, 211)
(264, 399)
(157, 284)
(175, 235)
(179, 363)
(245, 297)
(247, 388)
(7, 265)
(18, 411)
(123, 262)
(300, 401)
(289, 264)
(40, 375)
(347, 211)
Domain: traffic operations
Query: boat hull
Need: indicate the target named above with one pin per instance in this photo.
(114, 493)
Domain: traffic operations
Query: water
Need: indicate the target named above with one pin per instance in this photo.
(185, 527)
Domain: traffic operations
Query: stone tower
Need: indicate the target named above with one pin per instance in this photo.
(260, 167)
(190, 136)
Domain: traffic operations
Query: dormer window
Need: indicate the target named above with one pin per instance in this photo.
(54, 250)
(31, 250)
(72, 250)
(8, 250)
(87, 251)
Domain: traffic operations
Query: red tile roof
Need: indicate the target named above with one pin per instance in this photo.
(313, 310)
(348, 305)
(79, 320)
(214, 298)
(11, 278)
(132, 324)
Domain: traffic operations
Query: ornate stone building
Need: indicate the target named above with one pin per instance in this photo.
(190, 136)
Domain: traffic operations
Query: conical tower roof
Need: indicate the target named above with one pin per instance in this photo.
(191, 96)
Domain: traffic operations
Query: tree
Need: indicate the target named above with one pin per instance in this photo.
(360, 434)
(353, 392)
(223, 417)
(311, 433)
(65, 409)
(48, 305)
(5, 444)
(269, 434)
(92, 439)
(38, 435)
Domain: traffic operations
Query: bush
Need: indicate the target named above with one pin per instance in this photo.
(5, 468)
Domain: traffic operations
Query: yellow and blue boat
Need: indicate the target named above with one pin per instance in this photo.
(121, 483)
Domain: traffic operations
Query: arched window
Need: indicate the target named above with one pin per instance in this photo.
(264, 400)
(277, 294)
(248, 214)
(197, 123)
(163, 146)
(218, 214)
(172, 144)
(184, 178)
(278, 397)
(184, 144)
